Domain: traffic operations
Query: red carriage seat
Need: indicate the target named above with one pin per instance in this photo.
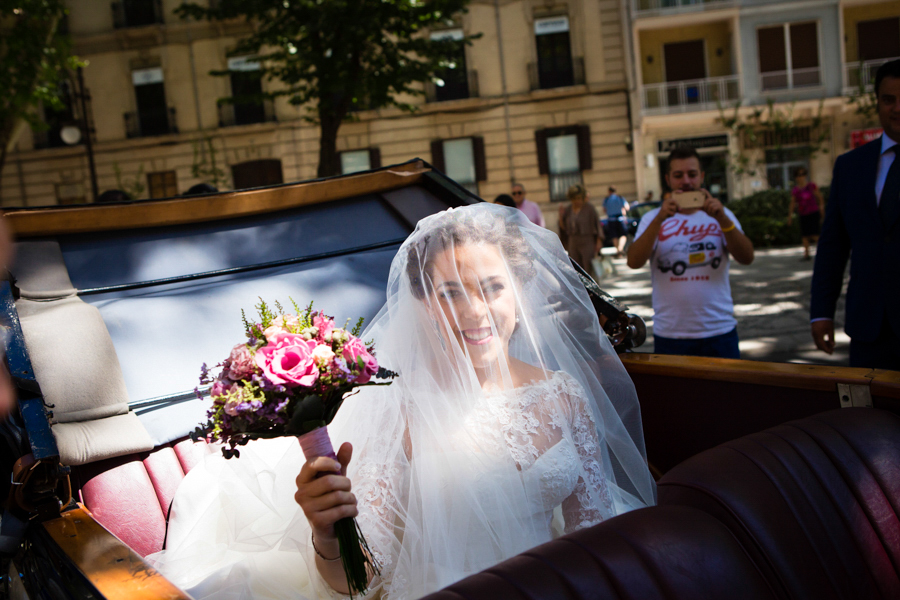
(130, 495)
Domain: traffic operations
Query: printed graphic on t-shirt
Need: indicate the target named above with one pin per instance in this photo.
(689, 274)
(683, 256)
(682, 246)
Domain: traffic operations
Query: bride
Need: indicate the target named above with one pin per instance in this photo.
(512, 422)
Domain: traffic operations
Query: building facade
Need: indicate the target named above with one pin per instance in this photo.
(698, 64)
(542, 97)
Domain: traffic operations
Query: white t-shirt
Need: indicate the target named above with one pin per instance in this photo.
(689, 274)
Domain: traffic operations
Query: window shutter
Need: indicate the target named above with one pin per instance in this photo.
(540, 139)
(585, 158)
(480, 161)
(374, 158)
(437, 155)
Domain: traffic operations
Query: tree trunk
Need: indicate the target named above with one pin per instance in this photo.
(329, 159)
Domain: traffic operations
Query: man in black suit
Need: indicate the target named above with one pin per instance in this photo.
(863, 216)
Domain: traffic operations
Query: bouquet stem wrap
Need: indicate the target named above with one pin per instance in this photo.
(355, 554)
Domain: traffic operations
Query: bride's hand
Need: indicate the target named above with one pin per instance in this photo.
(327, 499)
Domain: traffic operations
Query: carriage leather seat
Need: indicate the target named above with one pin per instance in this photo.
(808, 509)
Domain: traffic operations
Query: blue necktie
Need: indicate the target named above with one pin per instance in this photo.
(889, 205)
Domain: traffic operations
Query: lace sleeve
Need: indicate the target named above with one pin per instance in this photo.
(591, 502)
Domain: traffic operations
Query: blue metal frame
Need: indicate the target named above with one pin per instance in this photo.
(31, 400)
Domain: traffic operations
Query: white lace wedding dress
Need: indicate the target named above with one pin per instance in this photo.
(450, 479)
(236, 533)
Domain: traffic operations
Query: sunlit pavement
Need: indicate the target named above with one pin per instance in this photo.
(771, 303)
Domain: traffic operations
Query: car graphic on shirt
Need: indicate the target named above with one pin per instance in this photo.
(688, 255)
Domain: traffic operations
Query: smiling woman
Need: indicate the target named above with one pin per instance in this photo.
(511, 422)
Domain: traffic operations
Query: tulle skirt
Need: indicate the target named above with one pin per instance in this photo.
(235, 531)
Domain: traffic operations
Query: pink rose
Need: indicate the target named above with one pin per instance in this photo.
(323, 323)
(354, 350)
(240, 363)
(220, 388)
(288, 360)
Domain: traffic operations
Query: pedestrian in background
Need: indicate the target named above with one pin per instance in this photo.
(531, 210)
(862, 224)
(505, 200)
(807, 200)
(580, 230)
(693, 311)
(616, 207)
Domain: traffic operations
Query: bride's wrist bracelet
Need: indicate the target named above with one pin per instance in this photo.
(312, 536)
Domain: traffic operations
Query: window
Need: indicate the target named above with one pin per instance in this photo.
(452, 81)
(563, 153)
(878, 39)
(355, 161)
(789, 56)
(554, 53)
(782, 165)
(246, 90)
(256, 173)
(153, 116)
(135, 13)
(162, 184)
(462, 160)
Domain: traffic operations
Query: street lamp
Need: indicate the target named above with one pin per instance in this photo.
(72, 134)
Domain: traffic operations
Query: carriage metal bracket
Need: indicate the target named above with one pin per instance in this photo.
(854, 395)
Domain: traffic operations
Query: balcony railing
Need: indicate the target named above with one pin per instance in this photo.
(791, 79)
(668, 6)
(458, 90)
(861, 75)
(548, 79)
(560, 184)
(136, 13)
(149, 123)
(688, 96)
(246, 114)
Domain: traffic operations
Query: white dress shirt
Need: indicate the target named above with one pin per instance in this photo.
(884, 165)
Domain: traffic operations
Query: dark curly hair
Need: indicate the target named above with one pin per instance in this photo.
(464, 228)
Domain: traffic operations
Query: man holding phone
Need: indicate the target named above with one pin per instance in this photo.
(688, 240)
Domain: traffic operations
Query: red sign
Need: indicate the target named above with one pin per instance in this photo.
(864, 136)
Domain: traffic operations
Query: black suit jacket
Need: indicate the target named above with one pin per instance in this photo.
(853, 229)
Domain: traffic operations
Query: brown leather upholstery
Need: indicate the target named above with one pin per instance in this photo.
(654, 553)
(815, 502)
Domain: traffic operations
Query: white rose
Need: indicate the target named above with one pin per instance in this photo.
(323, 355)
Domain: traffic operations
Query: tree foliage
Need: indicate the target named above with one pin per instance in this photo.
(34, 58)
(336, 56)
(772, 128)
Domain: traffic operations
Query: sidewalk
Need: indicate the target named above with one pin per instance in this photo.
(771, 303)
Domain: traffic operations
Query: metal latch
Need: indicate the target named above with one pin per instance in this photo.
(852, 394)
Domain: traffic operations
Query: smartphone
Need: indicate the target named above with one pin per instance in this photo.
(689, 199)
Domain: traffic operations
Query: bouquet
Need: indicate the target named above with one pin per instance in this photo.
(289, 379)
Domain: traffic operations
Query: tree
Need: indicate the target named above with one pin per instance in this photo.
(338, 56)
(34, 58)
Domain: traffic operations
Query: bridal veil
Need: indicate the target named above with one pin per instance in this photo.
(512, 421)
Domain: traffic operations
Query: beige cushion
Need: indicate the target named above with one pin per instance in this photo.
(76, 366)
(90, 441)
(41, 272)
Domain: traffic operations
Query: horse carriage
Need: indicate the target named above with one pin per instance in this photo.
(111, 309)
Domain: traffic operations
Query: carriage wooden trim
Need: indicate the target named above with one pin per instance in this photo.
(113, 568)
(787, 375)
(181, 211)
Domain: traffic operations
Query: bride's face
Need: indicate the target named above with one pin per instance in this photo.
(473, 290)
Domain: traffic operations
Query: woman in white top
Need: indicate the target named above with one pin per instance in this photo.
(512, 422)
